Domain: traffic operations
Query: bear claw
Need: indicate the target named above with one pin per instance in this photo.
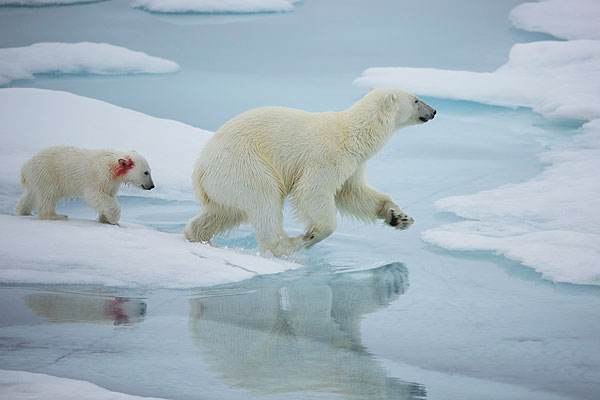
(399, 220)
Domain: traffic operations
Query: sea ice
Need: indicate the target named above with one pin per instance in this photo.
(551, 222)
(556, 79)
(77, 58)
(63, 118)
(215, 6)
(85, 252)
(41, 3)
(568, 19)
(21, 385)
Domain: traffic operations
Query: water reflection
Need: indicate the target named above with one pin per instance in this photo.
(276, 336)
(67, 307)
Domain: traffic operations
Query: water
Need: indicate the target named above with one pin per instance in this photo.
(376, 313)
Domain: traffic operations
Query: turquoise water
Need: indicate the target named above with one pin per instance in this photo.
(376, 313)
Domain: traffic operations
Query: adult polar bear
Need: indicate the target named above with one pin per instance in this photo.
(260, 157)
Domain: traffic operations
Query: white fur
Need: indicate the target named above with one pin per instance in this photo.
(262, 156)
(62, 171)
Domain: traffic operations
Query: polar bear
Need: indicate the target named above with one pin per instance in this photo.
(259, 158)
(62, 171)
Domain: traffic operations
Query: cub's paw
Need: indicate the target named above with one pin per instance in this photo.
(398, 219)
(103, 219)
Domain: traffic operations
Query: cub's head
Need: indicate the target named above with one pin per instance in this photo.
(407, 108)
(134, 169)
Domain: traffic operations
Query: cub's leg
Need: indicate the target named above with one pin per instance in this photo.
(47, 205)
(26, 202)
(109, 211)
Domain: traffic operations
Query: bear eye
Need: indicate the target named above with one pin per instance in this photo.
(416, 101)
(146, 173)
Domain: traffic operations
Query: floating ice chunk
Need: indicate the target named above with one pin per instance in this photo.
(550, 223)
(568, 19)
(77, 58)
(21, 385)
(86, 252)
(41, 3)
(37, 118)
(556, 79)
(215, 6)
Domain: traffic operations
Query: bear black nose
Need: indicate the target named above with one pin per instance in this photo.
(434, 112)
(151, 187)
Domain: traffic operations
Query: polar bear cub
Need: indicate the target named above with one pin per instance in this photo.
(95, 175)
(261, 157)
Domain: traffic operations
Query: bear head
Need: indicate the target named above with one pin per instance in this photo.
(407, 108)
(133, 169)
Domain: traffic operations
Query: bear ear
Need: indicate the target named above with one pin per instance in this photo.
(391, 98)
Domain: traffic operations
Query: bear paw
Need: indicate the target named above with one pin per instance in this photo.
(103, 219)
(55, 217)
(398, 219)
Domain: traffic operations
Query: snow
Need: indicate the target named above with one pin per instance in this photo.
(86, 252)
(215, 6)
(568, 19)
(551, 222)
(41, 3)
(170, 147)
(556, 79)
(21, 385)
(77, 58)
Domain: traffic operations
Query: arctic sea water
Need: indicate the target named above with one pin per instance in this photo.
(376, 313)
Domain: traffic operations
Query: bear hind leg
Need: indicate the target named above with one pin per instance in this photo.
(211, 221)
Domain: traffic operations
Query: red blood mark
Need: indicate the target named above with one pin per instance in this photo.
(123, 166)
(115, 310)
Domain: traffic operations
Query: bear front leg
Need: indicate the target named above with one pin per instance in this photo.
(318, 212)
(109, 211)
(358, 199)
(394, 216)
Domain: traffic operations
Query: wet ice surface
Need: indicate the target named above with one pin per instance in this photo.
(376, 313)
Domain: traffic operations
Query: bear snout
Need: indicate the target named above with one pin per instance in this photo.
(425, 112)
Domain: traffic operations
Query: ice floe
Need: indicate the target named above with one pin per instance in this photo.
(84, 252)
(551, 222)
(568, 19)
(556, 79)
(77, 58)
(215, 6)
(37, 118)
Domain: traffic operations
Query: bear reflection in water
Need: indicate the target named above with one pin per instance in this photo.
(275, 335)
(66, 307)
